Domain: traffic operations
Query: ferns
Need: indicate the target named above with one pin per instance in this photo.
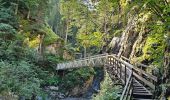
(6, 31)
(6, 28)
(8, 23)
(7, 16)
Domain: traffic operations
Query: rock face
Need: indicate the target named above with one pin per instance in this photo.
(53, 88)
(80, 90)
(128, 38)
(133, 38)
(115, 45)
(139, 43)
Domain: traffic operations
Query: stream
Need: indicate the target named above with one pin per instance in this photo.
(93, 89)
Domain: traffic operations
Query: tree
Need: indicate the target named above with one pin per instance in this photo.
(68, 15)
(94, 39)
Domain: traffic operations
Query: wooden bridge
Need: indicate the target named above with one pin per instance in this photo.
(138, 84)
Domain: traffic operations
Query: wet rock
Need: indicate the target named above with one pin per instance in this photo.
(61, 96)
(53, 88)
(53, 94)
(57, 95)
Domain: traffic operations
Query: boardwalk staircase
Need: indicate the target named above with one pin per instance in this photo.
(137, 83)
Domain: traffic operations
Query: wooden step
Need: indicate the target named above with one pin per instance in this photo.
(142, 95)
(141, 99)
(140, 92)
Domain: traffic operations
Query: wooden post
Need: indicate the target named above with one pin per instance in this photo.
(113, 64)
(117, 67)
(132, 81)
(120, 67)
(108, 60)
(125, 74)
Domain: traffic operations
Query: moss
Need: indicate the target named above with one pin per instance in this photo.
(118, 33)
(24, 22)
(50, 36)
(123, 4)
(144, 17)
(154, 47)
(34, 43)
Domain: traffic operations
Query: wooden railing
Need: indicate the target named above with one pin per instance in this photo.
(128, 89)
(147, 78)
(88, 61)
(122, 68)
(127, 72)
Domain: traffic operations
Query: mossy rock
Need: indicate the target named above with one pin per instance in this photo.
(50, 36)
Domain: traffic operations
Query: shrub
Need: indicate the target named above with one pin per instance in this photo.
(7, 16)
(19, 78)
(108, 90)
(77, 77)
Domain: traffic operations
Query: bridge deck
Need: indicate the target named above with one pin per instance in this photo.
(134, 79)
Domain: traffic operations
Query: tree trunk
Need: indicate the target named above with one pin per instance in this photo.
(16, 9)
(28, 14)
(41, 48)
(166, 73)
(85, 51)
(105, 25)
(66, 35)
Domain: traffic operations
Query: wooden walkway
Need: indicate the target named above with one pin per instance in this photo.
(138, 84)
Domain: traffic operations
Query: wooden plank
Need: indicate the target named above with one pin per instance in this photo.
(151, 85)
(126, 86)
(125, 74)
(123, 62)
(140, 64)
(120, 67)
(154, 78)
(143, 72)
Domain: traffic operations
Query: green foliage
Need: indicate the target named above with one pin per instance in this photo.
(77, 77)
(8, 23)
(6, 31)
(21, 71)
(7, 16)
(89, 40)
(19, 78)
(31, 3)
(155, 45)
(51, 60)
(108, 90)
(53, 80)
(50, 36)
(117, 33)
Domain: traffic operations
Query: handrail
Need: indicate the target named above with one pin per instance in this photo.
(87, 58)
(147, 78)
(128, 68)
(136, 75)
(99, 59)
(127, 88)
(140, 64)
(141, 78)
